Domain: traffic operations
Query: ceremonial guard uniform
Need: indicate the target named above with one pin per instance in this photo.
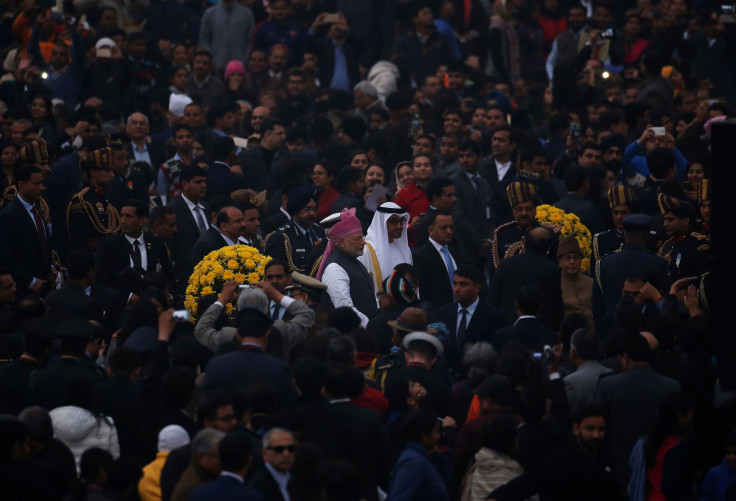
(293, 242)
(508, 239)
(687, 254)
(621, 200)
(34, 153)
(129, 181)
(89, 215)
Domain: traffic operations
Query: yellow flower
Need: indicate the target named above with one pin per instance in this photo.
(570, 217)
(228, 275)
(239, 277)
(585, 264)
(261, 269)
(217, 268)
(253, 277)
(543, 207)
(542, 215)
(555, 217)
(229, 308)
(207, 290)
(250, 263)
(246, 255)
(232, 264)
(230, 254)
(211, 277)
(203, 280)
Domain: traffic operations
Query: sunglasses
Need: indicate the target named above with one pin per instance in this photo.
(279, 449)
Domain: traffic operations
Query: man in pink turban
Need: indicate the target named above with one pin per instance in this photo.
(348, 282)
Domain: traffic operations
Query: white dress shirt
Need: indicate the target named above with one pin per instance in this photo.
(439, 250)
(338, 287)
(281, 479)
(283, 304)
(191, 205)
(502, 169)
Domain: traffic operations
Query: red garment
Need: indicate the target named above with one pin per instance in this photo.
(654, 474)
(326, 199)
(551, 27)
(414, 200)
(632, 53)
(371, 398)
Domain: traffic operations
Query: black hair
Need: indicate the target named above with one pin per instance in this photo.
(471, 272)
(190, 172)
(93, 460)
(297, 132)
(341, 350)
(222, 147)
(203, 52)
(433, 217)
(208, 405)
(432, 140)
(636, 347)
(344, 319)
(25, 172)
(575, 176)
(499, 434)
(660, 161)
(348, 176)
(177, 387)
(309, 375)
(235, 450)
(270, 123)
(276, 262)
(436, 187)
(417, 424)
(80, 263)
(159, 213)
(124, 361)
(470, 145)
(141, 210)
(343, 381)
(589, 411)
(666, 424)
(530, 299)
(12, 432)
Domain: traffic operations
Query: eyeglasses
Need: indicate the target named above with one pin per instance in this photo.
(229, 417)
(279, 449)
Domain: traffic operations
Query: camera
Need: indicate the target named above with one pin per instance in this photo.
(243, 287)
(728, 9)
(606, 34)
(575, 129)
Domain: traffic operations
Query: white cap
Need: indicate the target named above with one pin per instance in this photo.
(172, 437)
(177, 103)
(330, 220)
(427, 338)
(105, 42)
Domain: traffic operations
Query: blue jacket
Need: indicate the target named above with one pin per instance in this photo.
(716, 483)
(635, 161)
(413, 477)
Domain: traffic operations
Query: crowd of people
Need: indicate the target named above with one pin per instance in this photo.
(488, 235)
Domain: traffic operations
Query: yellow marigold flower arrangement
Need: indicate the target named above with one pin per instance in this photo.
(241, 263)
(570, 226)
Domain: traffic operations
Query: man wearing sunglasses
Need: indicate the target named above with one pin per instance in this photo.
(279, 446)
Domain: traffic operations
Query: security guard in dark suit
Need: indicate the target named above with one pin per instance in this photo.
(687, 253)
(508, 239)
(294, 241)
(38, 336)
(89, 215)
(622, 201)
(47, 386)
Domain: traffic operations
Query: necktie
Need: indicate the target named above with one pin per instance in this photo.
(275, 314)
(448, 263)
(40, 229)
(200, 220)
(476, 182)
(137, 259)
(462, 329)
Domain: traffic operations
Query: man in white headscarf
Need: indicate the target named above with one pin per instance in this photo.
(386, 243)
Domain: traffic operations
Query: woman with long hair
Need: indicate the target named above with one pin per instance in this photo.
(8, 155)
(323, 175)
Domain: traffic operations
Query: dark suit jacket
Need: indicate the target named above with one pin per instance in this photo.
(528, 268)
(264, 483)
(273, 223)
(431, 272)
(486, 320)
(487, 169)
(632, 400)
(465, 240)
(70, 301)
(476, 210)
(222, 181)
(225, 488)
(530, 332)
(46, 386)
(255, 169)
(324, 48)
(20, 249)
(588, 212)
(239, 368)
(209, 240)
(112, 263)
(187, 234)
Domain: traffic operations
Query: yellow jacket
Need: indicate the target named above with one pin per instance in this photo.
(149, 487)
